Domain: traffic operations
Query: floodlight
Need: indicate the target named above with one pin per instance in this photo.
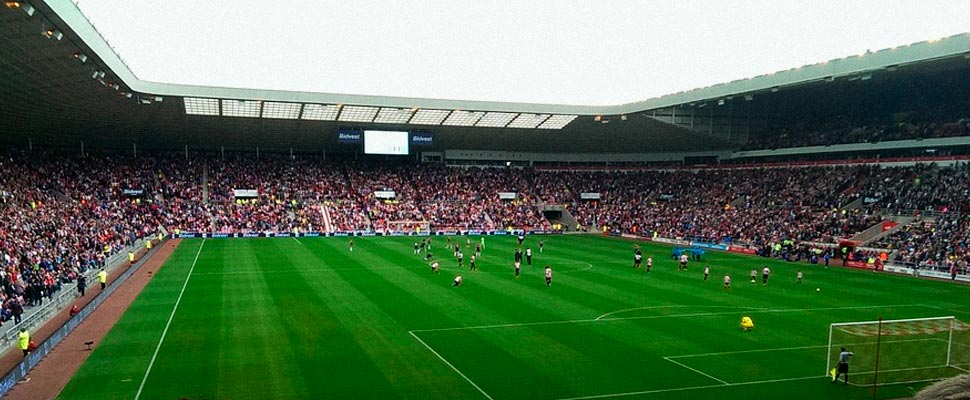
(13, 4)
(80, 57)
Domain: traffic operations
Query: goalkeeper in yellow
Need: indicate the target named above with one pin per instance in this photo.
(746, 323)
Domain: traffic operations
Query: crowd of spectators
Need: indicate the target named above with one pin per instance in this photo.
(62, 215)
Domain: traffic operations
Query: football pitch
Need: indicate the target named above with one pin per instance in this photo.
(306, 318)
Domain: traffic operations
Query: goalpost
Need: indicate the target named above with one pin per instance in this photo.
(410, 227)
(900, 351)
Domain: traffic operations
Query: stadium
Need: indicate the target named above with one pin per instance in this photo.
(800, 234)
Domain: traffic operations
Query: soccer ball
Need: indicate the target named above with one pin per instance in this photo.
(818, 289)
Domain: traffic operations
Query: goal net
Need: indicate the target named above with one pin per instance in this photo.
(409, 227)
(900, 351)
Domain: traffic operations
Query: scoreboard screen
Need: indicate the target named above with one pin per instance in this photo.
(386, 142)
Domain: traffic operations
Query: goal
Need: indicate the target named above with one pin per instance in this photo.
(409, 227)
(900, 351)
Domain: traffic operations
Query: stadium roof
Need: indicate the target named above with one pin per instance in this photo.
(63, 85)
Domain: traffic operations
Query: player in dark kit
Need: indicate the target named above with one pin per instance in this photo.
(471, 263)
(518, 255)
(637, 259)
(457, 249)
(521, 238)
(528, 256)
(478, 249)
(461, 259)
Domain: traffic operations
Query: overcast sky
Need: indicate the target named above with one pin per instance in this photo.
(538, 51)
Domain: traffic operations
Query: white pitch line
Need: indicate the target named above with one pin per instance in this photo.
(169, 323)
(724, 353)
(297, 240)
(659, 307)
(710, 314)
(821, 346)
(961, 369)
(697, 371)
(681, 389)
(450, 365)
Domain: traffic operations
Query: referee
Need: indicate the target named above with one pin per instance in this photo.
(843, 367)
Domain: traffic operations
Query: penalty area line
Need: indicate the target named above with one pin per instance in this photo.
(681, 389)
(697, 371)
(450, 365)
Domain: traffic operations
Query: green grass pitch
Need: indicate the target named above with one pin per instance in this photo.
(287, 318)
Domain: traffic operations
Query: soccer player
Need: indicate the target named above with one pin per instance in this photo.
(541, 245)
(457, 249)
(649, 263)
(528, 256)
(434, 267)
(799, 276)
(754, 276)
(521, 238)
(416, 248)
(746, 323)
(428, 256)
(483, 241)
(683, 262)
(478, 249)
(350, 243)
(637, 259)
(518, 267)
(727, 281)
(471, 263)
(764, 275)
(707, 272)
(461, 259)
(457, 281)
(843, 367)
(548, 275)
(518, 255)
